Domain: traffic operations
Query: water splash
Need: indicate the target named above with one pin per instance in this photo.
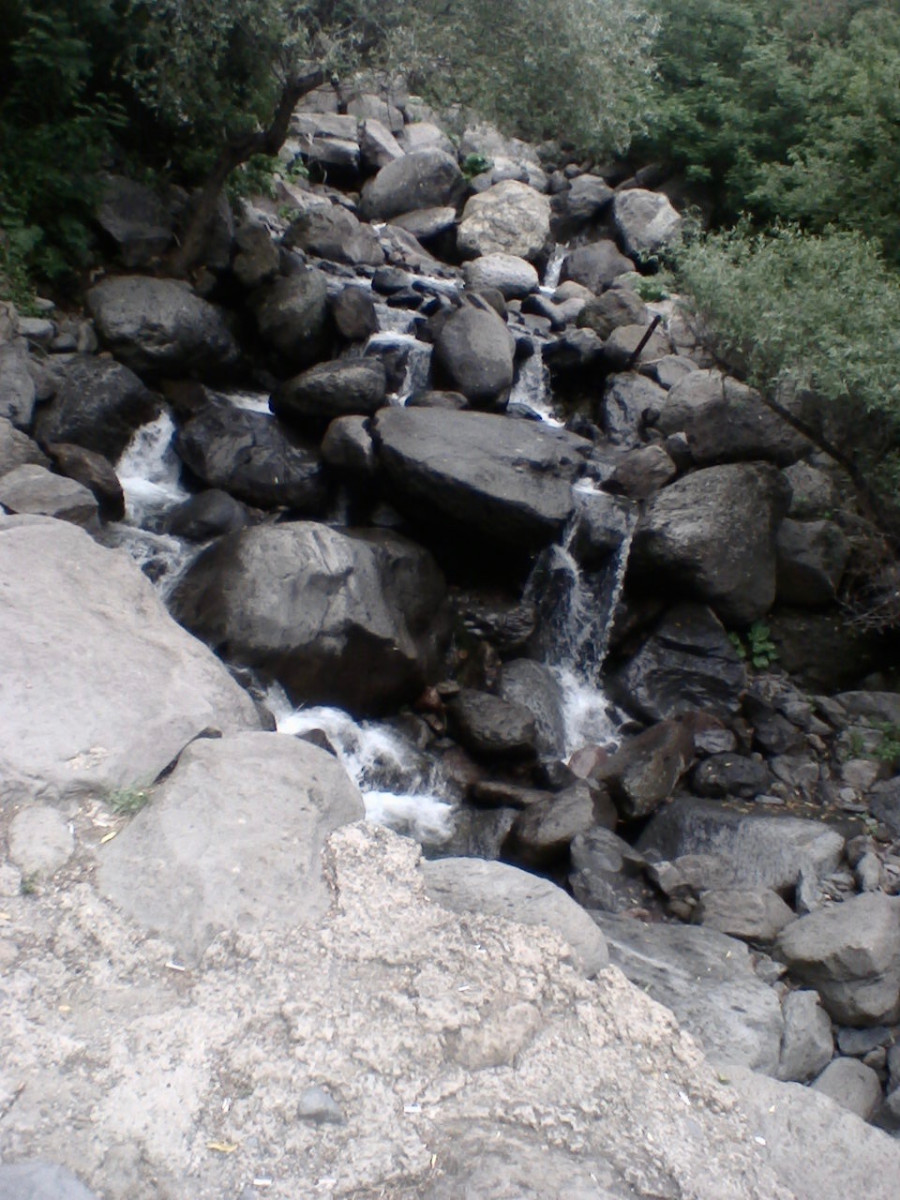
(553, 270)
(149, 471)
(532, 389)
(417, 370)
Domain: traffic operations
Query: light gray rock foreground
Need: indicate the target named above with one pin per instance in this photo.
(340, 619)
(708, 981)
(452, 1045)
(231, 840)
(496, 889)
(160, 325)
(99, 688)
(34, 490)
(40, 1181)
(819, 1150)
(508, 479)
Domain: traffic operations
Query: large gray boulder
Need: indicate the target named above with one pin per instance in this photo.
(293, 316)
(712, 534)
(645, 221)
(595, 265)
(331, 390)
(509, 218)
(510, 480)
(726, 421)
(630, 403)
(100, 689)
(252, 456)
(807, 1043)
(851, 954)
(533, 685)
(425, 179)
(98, 404)
(474, 349)
(335, 234)
(160, 327)
(348, 620)
(708, 981)
(760, 849)
(496, 889)
(205, 855)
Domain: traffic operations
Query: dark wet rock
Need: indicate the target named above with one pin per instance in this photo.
(426, 179)
(99, 403)
(533, 685)
(335, 234)
(688, 663)
(342, 388)
(207, 515)
(812, 557)
(136, 219)
(708, 981)
(475, 350)
(762, 849)
(851, 954)
(354, 313)
(541, 835)
(487, 725)
(256, 258)
(93, 471)
(713, 533)
(724, 775)
(642, 472)
(821, 651)
(293, 316)
(605, 872)
(347, 446)
(629, 404)
(159, 327)
(644, 772)
(341, 619)
(510, 480)
(251, 456)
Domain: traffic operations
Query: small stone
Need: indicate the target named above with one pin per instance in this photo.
(319, 1107)
(851, 1084)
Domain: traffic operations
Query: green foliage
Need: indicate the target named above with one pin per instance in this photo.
(795, 311)
(888, 749)
(475, 164)
(125, 802)
(756, 646)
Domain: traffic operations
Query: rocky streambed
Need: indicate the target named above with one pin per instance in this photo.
(514, 570)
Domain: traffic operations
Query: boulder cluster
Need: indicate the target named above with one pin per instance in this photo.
(397, 451)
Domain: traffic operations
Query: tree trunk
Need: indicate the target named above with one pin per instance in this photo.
(264, 141)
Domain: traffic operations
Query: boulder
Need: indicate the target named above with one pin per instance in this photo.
(605, 872)
(336, 618)
(293, 316)
(474, 349)
(755, 915)
(596, 265)
(852, 1085)
(100, 688)
(761, 849)
(94, 472)
(707, 980)
(712, 533)
(509, 480)
(644, 771)
(256, 259)
(688, 663)
(426, 224)
(821, 651)
(329, 390)
(629, 404)
(470, 885)
(814, 493)
(640, 473)
(487, 725)
(160, 327)
(377, 144)
(207, 515)
(812, 557)
(18, 393)
(727, 775)
(424, 135)
(334, 233)
(645, 221)
(532, 685)
(31, 489)
(17, 448)
(851, 954)
(99, 403)
(509, 218)
(354, 313)
(426, 179)
(578, 205)
(807, 1043)
(135, 218)
(726, 421)
(616, 306)
(347, 446)
(204, 855)
(541, 835)
(252, 456)
(513, 277)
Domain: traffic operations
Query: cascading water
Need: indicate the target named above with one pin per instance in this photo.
(532, 389)
(553, 270)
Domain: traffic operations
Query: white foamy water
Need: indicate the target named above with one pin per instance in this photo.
(149, 471)
(161, 557)
(532, 388)
(399, 784)
(553, 270)
(589, 717)
(418, 360)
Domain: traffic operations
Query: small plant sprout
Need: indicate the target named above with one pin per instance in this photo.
(125, 802)
(756, 647)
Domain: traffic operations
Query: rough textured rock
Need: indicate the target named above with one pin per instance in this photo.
(159, 326)
(210, 850)
(34, 490)
(713, 533)
(136, 219)
(709, 983)
(40, 1181)
(99, 403)
(595, 265)
(807, 1043)
(100, 688)
(350, 620)
(331, 390)
(645, 221)
(471, 885)
(630, 402)
(540, 836)
(605, 872)
(762, 850)
(641, 472)
(253, 457)
(347, 446)
(812, 556)
(16, 448)
(851, 954)
(616, 306)
(256, 258)
(726, 421)
(688, 663)
(335, 234)
(475, 350)
(645, 770)
(851, 1084)
(513, 277)
(293, 316)
(95, 472)
(533, 685)
(507, 479)
(730, 775)
(207, 515)
(17, 387)
(752, 914)
(488, 725)
(426, 179)
(509, 218)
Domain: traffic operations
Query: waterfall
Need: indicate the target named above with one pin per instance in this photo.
(532, 388)
(149, 471)
(552, 271)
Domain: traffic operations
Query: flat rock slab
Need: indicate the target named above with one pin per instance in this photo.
(231, 840)
(709, 983)
(100, 688)
(510, 480)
